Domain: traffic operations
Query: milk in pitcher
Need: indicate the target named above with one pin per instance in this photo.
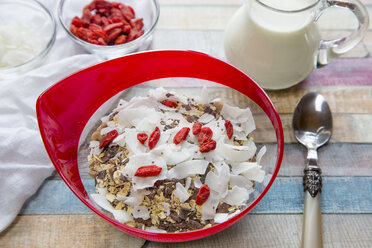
(277, 49)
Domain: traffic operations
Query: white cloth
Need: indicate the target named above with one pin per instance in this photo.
(24, 163)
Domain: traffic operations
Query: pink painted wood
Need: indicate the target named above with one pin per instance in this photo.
(343, 71)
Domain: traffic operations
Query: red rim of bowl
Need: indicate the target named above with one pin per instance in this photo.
(54, 110)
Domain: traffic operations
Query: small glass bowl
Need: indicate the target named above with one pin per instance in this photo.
(36, 18)
(147, 9)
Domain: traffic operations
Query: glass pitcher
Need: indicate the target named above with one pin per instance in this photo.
(278, 43)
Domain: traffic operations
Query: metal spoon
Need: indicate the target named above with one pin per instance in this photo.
(312, 126)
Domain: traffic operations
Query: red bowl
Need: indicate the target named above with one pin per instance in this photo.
(64, 109)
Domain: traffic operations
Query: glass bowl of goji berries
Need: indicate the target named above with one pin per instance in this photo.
(167, 146)
(108, 28)
(27, 33)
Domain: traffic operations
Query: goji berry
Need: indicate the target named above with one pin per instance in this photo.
(203, 194)
(102, 11)
(85, 34)
(148, 171)
(126, 28)
(102, 4)
(121, 39)
(154, 138)
(137, 24)
(208, 146)
(113, 35)
(205, 135)
(127, 12)
(73, 29)
(142, 137)
(110, 27)
(116, 5)
(86, 15)
(108, 138)
(116, 15)
(93, 41)
(181, 135)
(93, 27)
(96, 19)
(196, 128)
(139, 33)
(229, 129)
(104, 21)
(91, 6)
(100, 34)
(101, 41)
(76, 21)
(131, 10)
(131, 35)
(118, 20)
(169, 103)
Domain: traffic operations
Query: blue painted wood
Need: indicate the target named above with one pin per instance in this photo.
(340, 195)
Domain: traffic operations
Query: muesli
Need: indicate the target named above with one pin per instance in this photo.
(172, 163)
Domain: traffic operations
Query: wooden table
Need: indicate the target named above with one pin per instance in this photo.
(54, 217)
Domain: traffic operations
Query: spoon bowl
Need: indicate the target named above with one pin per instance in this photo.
(312, 121)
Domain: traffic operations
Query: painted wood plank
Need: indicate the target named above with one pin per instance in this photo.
(339, 231)
(269, 231)
(205, 41)
(211, 41)
(349, 72)
(216, 17)
(342, 99)
(347, 128)
(340, 195)
(334, 159)
(204, 2)
(195, 17)
(65, 231)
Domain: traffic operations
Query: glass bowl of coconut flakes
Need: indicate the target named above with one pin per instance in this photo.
(27, 33)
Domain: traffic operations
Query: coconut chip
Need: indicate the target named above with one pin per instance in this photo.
(141, 212)
(188, 168)
(206, 118)
(218, 182)
(236, 196)
(236, 153)
(181, 193)
(210, 206)
(120, 215)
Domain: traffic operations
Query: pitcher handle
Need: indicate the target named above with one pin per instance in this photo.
(330, 49)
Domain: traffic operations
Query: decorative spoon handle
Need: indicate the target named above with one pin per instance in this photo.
(312, 224)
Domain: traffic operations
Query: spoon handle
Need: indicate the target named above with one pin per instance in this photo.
(312, 224)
